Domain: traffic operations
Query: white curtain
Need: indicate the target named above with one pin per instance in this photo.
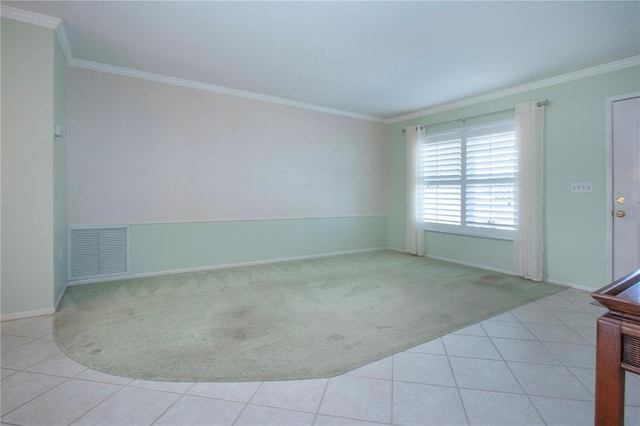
(414, 237)
(528, 243)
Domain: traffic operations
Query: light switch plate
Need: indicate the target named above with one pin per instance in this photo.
(581, 187)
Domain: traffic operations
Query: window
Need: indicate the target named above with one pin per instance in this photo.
(469, 180)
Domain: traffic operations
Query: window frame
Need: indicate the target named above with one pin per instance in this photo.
(463, 133)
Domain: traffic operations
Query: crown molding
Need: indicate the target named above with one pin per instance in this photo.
(564, 78)
(41, 21)
(61, 33)
(589, 72)
(58, 25)
(29, 17)
(159, 78)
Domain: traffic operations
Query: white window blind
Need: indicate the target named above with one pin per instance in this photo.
(469, 179)
(441, 163)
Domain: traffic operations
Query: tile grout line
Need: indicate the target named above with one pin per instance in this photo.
(97, 404)
(74, 377)
(455, 380)
(99, 381)
(31, 321)
(393, 387)
(37, 396)
(167, 409)
(293, 410)
(16, 347)
(170, 405)
(324, 392)
(558, 359)
(246, 404)
(37, 362)
(568, 367)
(506, 363)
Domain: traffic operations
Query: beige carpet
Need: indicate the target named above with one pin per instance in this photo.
(291, 320)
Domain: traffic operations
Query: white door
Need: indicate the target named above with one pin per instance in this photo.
(625, 124)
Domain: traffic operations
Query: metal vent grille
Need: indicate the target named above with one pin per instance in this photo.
(98, 252)
(631, 350)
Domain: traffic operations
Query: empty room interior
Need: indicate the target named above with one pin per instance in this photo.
(320, 213)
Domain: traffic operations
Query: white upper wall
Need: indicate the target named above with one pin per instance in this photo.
(146, 152)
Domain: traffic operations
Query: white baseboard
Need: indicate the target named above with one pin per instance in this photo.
(571, 285)
(214, 267)
(64, 290)
(473, 265)
(27, 314)
(550, 281)
(36, 313)
(397, 249)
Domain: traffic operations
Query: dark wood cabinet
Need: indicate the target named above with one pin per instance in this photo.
(617, 346)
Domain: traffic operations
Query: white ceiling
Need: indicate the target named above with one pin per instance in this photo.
(377, 59)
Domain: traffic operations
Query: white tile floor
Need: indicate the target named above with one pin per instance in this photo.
(533, 365)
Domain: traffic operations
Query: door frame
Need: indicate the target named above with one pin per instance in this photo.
(608, 210)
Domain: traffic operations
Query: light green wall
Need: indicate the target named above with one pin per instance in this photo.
(166, 247)
(484, 252)
(59, 248)
(27, 167)
(575, 223)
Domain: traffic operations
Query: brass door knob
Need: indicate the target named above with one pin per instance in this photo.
(620, 213)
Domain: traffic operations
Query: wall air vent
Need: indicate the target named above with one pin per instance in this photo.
(96, 252)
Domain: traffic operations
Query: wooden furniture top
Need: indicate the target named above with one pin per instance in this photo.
(622, 297)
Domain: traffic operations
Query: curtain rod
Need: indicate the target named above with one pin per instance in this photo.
(539, 104)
